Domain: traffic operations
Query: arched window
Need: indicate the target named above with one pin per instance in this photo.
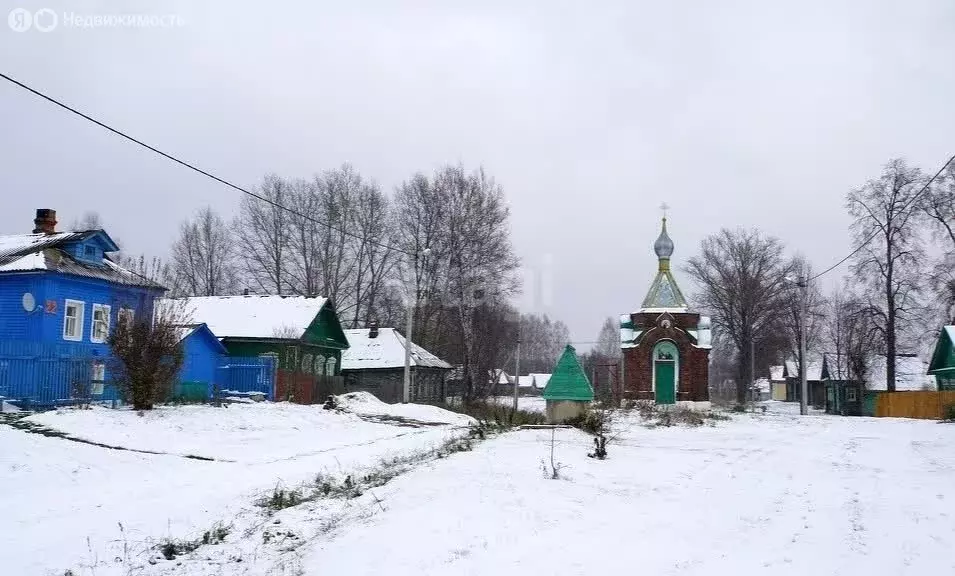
(307, 363)
(319, 364)
(330, 366)
(665, 350)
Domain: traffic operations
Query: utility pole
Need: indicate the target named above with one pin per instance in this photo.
(517, 365)
(752, 365)
(406, 392)
(804, 384)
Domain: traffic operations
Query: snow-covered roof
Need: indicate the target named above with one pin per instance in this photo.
(762, 384)
(14, 245)
(540, 380)
(500, 376)
(251, 316)
(36, 252)
(387, 350)
(910, 373)
(525, 382)
(776, 373)
(813, 369)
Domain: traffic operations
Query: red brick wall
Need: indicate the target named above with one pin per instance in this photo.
(694, 362)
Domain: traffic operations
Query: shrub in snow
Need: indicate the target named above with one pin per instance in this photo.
(593, 422)
(171, 548)
(493, 415)
(600, 447)
(147, 359)
(949, 413)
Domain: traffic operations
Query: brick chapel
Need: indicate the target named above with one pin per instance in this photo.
(666, 348)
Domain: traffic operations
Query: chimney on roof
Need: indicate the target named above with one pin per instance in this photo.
(45, 221)
(245, 292)
(373, 329)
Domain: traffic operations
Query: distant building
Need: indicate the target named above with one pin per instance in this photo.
(942, 366)
(375, 363)
(666, 348)
(302, 334)
(814, 382)
(778, 382)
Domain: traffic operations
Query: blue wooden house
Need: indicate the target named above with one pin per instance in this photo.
(202, 357)
(60, 293)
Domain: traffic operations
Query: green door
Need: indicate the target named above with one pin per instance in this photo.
(665, 382)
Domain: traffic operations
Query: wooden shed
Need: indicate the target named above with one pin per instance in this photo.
(375, 363)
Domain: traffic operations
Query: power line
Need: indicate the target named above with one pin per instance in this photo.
(195, 168)
(876, 233)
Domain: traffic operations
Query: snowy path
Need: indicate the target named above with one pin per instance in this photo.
(770, 494)
(57, 493)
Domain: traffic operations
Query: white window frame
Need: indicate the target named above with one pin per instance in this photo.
(125, 314)
(93, 337)
(79, 318)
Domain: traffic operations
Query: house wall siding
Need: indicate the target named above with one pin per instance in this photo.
(290, 352)
(15, 322)
(200, 358)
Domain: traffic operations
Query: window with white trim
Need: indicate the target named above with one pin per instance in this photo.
(125, 316)
(851, 395)
(99, 371)
(73, 320)
(99, 327)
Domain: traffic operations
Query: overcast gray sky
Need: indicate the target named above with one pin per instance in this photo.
(590, 114)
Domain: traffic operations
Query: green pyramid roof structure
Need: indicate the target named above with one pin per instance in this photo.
(664, 293)
(569, 382)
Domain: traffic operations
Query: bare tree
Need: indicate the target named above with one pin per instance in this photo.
(337, 196)
(420, 222)
(305, 234)
(885, 226)
(263, 230)
(150, 269)
(815, 307)
(608, 340)
(851, 336)
(938, 204)
(372, 256)
(542, 341)
(479, 250)
(742, 277)
(90, 221)
(202, 256)
(147, 355)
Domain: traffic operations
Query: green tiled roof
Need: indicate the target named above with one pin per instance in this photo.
(569, 382)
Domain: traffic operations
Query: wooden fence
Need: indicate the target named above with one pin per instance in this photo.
(929, 405)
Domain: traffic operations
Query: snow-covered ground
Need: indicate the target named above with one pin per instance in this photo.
(366, 404)
(762, 494)
(64, 502)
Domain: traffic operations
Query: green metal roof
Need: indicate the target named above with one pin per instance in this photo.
(569, 382)
(944, 355)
